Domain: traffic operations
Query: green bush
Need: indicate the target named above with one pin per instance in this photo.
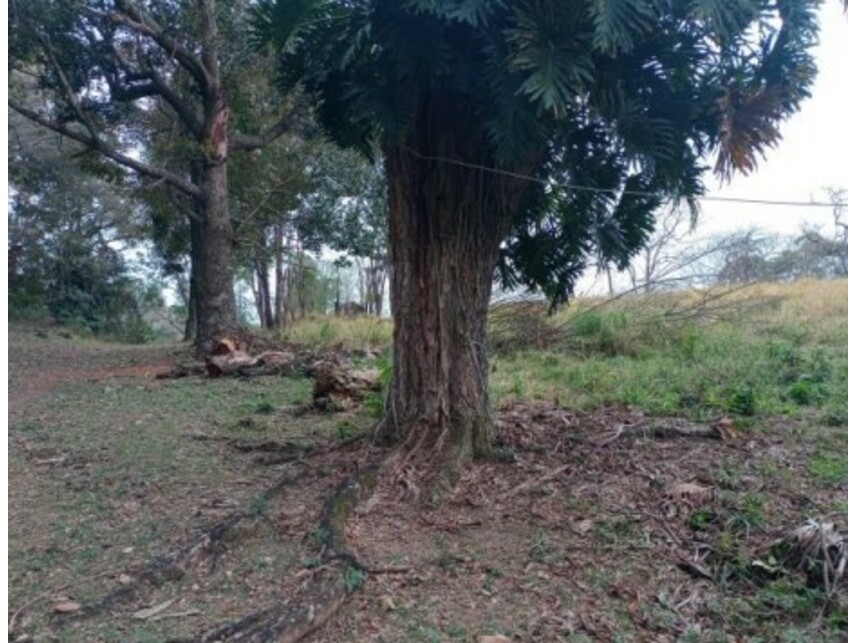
(742, 400)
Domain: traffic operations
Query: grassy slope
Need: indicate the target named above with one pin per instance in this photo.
(770, 348)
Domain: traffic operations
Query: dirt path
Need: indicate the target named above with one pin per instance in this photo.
(40, 361)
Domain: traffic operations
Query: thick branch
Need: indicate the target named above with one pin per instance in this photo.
(107, 151)
(156, 87)
(133, 18)
(268, 136)
(185, 112)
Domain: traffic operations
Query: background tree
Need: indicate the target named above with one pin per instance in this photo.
(102, 62)
(67, 229)
(349, 204)
(664, 256)
(612, 107)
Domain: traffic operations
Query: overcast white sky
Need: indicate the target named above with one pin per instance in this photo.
(813, 154)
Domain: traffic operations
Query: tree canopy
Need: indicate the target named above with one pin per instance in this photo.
(613, 107)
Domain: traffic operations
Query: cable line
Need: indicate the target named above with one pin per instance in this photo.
(586, 188)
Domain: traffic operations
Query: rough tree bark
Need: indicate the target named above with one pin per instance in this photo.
(215, 314)
(446, 225)
(193, 281)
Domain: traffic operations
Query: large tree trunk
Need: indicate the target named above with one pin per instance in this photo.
(446, 224)
(216, 315)
(215, 309)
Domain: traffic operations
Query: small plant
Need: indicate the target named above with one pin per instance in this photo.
(265, 408)
(541, 549)
(830, 467)
(753, 510)
(742, 401)
(689, 343)
(374, 404)
(806, 391)
(354, 578)
(701, 519)
(345, 430)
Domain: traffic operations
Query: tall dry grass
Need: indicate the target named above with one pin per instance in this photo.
(819, 307)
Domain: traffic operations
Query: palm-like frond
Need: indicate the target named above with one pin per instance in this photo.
(748, 125)
(618, 23)
(548, 46)
(725, 19)
(472, 12)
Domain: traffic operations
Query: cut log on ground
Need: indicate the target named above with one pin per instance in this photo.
(339, 387)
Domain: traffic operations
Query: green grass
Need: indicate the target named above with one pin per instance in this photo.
(136, 473)
(766, 364)
(830, 467)
(351, 332)
(770, 349)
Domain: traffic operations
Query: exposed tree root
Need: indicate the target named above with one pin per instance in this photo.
(273, 452)
(318, 599)
(323, 591)
(173, 565)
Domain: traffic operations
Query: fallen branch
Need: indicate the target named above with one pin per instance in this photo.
(671, 428)
(178, 372)
(191, 612)
(529, 484)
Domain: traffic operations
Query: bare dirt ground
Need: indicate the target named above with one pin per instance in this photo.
(118, 484)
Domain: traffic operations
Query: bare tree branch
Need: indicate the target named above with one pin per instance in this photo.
(106, 150)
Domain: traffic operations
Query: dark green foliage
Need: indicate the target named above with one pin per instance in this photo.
(612, 106)
(742, 400)
(66, 229)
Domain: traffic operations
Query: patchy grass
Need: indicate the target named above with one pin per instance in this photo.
(110, 468)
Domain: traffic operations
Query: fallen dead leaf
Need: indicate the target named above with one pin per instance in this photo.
(66, 607)
(582, 527)
(151, 611)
